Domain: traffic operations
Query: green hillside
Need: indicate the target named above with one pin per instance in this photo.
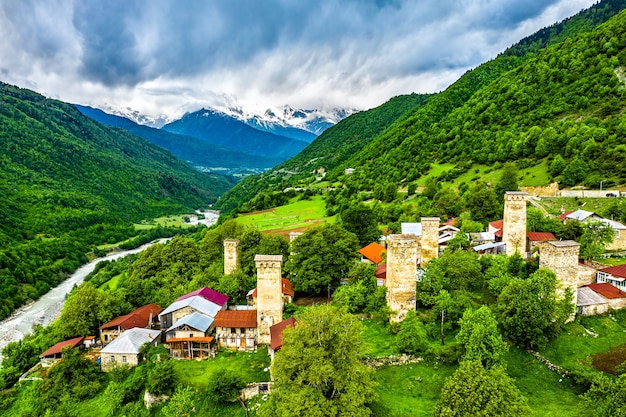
(68, 183)
(558, 83)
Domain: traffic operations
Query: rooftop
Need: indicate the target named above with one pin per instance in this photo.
(374, 252)
(197, 302)
(607, 290)
(137, 318)
(540, 236)
(276, 332)
(208, 294)
(196, 321)
(618, 271)
(236, 318)
(56, 349)
(131, 341)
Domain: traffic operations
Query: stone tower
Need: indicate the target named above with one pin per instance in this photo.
(561, 257)
(269, 294)
(514, 225)
(231, 255)
(401, 273)
(430, 239)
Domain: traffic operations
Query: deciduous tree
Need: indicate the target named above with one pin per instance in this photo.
(481, 338)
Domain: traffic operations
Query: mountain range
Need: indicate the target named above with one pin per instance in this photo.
(556, 95)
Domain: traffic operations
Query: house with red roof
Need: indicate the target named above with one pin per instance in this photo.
(614, 275)
(534, 239)
(146, 317)
(614, 297)
(288, 293)
(56, 352)
(276, 334)
(236, 329)
(373, 253)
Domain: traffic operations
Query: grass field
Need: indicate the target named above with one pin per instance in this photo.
(295, 216)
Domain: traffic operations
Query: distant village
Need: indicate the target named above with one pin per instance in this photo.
(197, 325)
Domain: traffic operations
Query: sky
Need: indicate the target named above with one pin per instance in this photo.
(164, 57)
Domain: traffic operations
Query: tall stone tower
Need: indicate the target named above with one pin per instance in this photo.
(231, 255)
(430, 239)
(561, 257)
(269, 294)
(401, 273)
(514, 225)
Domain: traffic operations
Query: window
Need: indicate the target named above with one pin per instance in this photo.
(190, 334)
(123, 359)
(233, 330)
(112, 358)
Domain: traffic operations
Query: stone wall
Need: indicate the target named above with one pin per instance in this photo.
(561, 257)
(514, 224)
(430, 239)
(269, 298)
(401, 273)
(551, 190)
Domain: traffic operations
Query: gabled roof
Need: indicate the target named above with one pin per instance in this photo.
(56, 349)
(287, 289)
(607, 290)
(374, 252)
(236, 318)
(137, 318)
(540, 236)
(130, 341)
(564, 215)
(614, 224)
(497, 224)
(196, 321)
(580, 215)
(618, 271)
(198, 303)
(208, 294)
(276, 332)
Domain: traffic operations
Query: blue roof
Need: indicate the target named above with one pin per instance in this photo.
(195, 320)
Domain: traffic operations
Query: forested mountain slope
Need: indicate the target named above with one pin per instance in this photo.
(442, 129)
(197, 152)
(68, 182)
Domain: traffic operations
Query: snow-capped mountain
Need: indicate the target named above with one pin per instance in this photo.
(286, 121)
(137, 117)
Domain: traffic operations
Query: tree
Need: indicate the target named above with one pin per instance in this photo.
(483, 203)
(508, 180)
(412, 338)
(226, 386)
(531, 311)
(318, 371)
(80, 312)
(596, 235)
(181, 404)
(574, 172)
(478, 392)
(605, 398)
(360, 220)
(447, 202)
(322, 256)
(161, 378)
(557, 165)
(481, 338)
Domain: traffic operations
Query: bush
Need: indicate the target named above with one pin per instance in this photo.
(226, 386)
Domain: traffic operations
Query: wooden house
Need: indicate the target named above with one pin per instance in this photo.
(236, 329)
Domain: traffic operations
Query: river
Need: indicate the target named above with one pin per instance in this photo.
(50, 305)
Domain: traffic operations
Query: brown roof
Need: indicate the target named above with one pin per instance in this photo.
(540, 236)
(498, 233)
(618, 271)
(563, 216)
(236, 318)
(607, 290)
(381, 271)
(56, 349)
(276, 332)
(207, 339)
(374, 252)
(137, 318)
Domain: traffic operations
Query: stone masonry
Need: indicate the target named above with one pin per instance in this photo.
(269, 299)
(231, 255)
(430, 239)
(514, 225)
(401, 273)
(561, 257)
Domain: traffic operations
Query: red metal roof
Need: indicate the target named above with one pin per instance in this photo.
(236, 318)
(498, 224)
(540, 236)
(137, 318)
(374, 252)
(276, 332)
(607, 290)
(618, 271)
(208, 294)
(564, 215)
(56, 349)
(498, 233)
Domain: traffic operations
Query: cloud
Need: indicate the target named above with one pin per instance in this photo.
(350, 53)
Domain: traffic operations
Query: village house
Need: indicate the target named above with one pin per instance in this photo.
(125, 349)
(583, 216)
(373, 253)
(288, 293)
(189, 337)
(276, 332)
(605, 297)
(146, 317)
(186, 306)
(236, 329)
(614, 275)
(56, 352)
(535, 239)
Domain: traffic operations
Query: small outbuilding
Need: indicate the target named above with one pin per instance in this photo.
(56, 352)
